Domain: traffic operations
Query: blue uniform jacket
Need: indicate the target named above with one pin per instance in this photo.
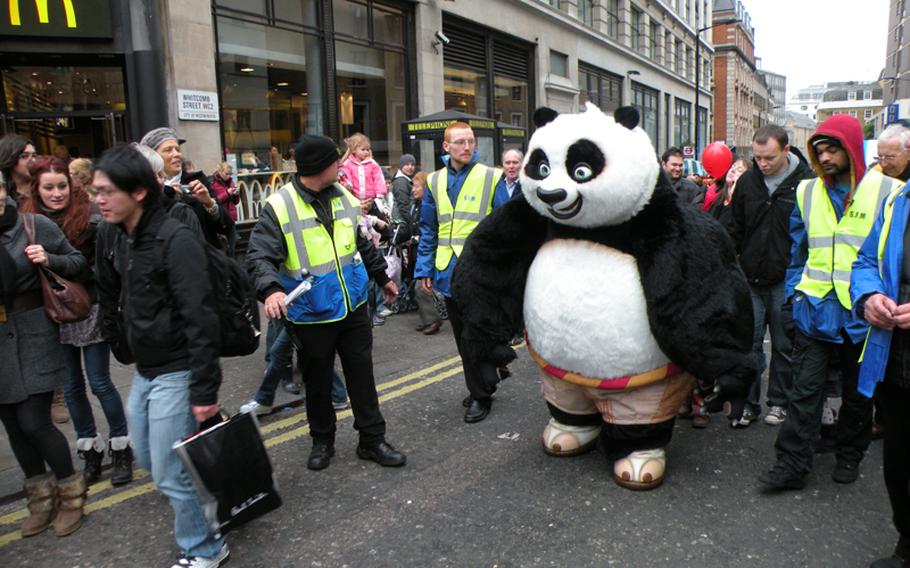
(429, 228)
(865, 280)
(819, 318)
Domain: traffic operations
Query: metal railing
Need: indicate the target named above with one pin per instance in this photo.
(255, 189)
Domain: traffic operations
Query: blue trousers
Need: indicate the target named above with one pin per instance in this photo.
(766, 303)
(160, 414)
(97, 359)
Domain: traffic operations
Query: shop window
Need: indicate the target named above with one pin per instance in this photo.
(352, 18)
(63, 89)
(613, 18)
(371, 85)
(635, 20)
(271, 91)
(295, 11)
(466, 90)
(586, 11)
(559, 63)
(599, 87)
(682, 125)
(388, 25)
(256, 7)
(511, 100)
(645, 101)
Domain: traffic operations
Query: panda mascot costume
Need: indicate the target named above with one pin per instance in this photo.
(629, 299)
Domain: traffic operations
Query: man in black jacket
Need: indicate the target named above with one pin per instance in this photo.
(156, 310)
(193, 188)
(760, 227)
(308, 232)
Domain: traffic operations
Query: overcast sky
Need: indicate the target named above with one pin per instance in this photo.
(815, 41)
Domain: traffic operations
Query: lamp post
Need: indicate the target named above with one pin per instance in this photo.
(698, 73)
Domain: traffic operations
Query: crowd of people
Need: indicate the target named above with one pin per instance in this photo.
(815, 237)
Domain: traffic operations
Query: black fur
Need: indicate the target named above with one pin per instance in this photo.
(627, 116)
(544, 115)
(699, 307)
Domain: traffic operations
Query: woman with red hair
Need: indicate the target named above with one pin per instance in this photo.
(53, 195)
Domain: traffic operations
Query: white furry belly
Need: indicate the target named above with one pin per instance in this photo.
(585, 311)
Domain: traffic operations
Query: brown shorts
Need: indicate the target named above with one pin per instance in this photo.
(650, 404)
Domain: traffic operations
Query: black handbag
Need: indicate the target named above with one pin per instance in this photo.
(231, 472)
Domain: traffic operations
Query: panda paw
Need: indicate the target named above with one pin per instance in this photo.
(727, 395)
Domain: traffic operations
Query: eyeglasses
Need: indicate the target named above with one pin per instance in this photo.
(886, 157)
(468, 142)
(28, 155)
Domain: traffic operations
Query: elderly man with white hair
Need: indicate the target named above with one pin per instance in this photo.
(893, 154)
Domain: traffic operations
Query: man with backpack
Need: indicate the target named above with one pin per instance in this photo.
(158, 310)
(307, 231)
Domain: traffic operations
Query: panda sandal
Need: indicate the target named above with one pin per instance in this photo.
(562, 440)
(642, 470)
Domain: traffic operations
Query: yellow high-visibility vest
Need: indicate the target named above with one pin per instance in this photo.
(833, 244)
(340, 279)
(475, 201)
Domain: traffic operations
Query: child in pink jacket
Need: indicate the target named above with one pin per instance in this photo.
(363, 173)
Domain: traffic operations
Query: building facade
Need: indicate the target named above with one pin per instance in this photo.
(242, 80)
(734, 74)
(896, 72)
(777, 95)
(861, 100)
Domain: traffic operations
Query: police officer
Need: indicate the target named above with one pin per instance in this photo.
(308, 229)
(458, 197)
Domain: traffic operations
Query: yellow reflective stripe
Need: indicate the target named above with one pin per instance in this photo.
(842, 275)
(487, 194)
(820, 242)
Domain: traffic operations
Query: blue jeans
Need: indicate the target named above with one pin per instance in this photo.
(160, 414)
(279, 370)
(97, 359)
(766, 303)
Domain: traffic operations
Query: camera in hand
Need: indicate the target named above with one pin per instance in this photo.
(186, 190)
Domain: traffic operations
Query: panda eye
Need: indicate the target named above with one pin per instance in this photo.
(582, 172)
(543, 169)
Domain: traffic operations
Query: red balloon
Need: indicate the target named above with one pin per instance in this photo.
(717, 159)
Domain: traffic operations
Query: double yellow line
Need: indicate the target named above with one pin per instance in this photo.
(443, 370)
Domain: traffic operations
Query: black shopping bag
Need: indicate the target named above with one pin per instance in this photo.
(231, 472)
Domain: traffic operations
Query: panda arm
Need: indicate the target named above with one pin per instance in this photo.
(489, 279)
(699, 306)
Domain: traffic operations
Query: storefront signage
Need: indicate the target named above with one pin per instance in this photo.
(515, 132)
(893, 113)
(197, 105)
(443, 124)
(56, 18)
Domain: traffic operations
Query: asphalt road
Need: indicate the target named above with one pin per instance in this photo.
(486, 494)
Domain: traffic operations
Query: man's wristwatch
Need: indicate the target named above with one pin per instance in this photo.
(213, 210)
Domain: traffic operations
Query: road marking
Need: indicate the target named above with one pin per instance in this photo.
(303, 430)
(291, 420)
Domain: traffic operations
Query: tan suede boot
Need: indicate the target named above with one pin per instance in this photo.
(59, 412)
(39, 491)
(70, 503)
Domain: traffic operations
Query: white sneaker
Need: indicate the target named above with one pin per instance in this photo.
(256, 408)
(776, 416)
(384, 312)
(202, 561)
(338, 406)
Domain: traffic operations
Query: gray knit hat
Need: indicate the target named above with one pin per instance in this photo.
(154, 138)
(406, 159)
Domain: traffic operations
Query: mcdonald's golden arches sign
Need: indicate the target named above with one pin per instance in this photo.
(56, 18)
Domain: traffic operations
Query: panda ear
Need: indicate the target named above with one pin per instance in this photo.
(544, 115)
(627, 116)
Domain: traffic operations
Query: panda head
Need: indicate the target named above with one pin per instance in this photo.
(587, 169)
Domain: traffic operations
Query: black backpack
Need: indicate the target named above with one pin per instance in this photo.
(233, 294)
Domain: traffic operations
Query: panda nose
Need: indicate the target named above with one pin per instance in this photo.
(551, 196)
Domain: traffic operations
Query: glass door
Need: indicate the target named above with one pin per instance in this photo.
(69, 136)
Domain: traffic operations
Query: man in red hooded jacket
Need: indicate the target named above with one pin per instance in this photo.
(833, 215)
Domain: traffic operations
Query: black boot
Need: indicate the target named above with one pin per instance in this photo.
(122, 458)
(92, 451)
